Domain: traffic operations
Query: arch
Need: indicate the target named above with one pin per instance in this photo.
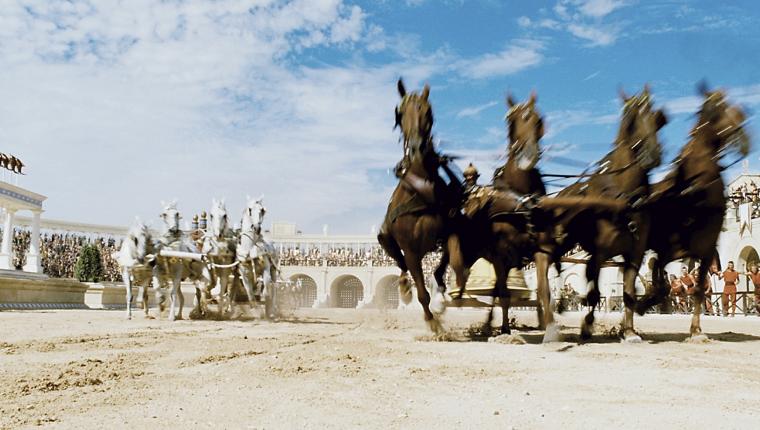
(386, 292)
(576, 282)
(747, 256)
(307, 295)
(346, 291)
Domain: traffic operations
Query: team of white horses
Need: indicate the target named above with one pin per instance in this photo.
(174, 257)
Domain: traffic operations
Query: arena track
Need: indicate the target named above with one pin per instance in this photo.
(375, 369)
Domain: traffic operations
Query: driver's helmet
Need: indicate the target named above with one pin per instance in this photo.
(471, 172)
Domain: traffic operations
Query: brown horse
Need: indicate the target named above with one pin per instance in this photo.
(606, 232)
(421, 204)
(688, 206)
(499, 224)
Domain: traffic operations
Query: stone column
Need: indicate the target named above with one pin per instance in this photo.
(6, 251)
(33, 257)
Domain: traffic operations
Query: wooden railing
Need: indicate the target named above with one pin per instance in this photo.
(745, 304)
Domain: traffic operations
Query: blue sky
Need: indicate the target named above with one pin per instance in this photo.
(115, 106)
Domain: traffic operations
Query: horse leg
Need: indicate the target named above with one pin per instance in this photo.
(225, 301)
(414, 264)
(269, 292)
(175, 311)
(437, 301)
(629, 298)
(659, 292)
(546, 318)
(128, 284)
(392, 248)
(505, 297)
(699, 298)
(592, 297)
(501, 292)
(248, 283)
(160, 295)
(455, 259)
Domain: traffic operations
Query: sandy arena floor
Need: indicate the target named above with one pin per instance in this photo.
(369, 369)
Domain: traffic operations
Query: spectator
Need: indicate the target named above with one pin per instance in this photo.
(729, 276)
(689, 283)
(706, 288)
(754, 276)
(677, 294)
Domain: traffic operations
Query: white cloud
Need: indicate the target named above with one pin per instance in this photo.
(599, 8)
(595, 35)
(114, 109)
(475, 110)
(582, 19)
(519, 55)
(560, 120)
(748, 96)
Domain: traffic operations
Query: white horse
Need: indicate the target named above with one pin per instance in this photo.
(174, 270)
(136, 262)
(258, 258)
(219, 248)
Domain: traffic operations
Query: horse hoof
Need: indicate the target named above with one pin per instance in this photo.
(551, 334)
(437, 304)
(632, 339)
(435, 326)
(506, 330)
(129, 317)
(405, 292)
(508, 339)
(585, 332)
(698, 338)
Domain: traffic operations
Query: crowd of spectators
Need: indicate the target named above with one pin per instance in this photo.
(59, 253)
(742, 194)
(347, 257)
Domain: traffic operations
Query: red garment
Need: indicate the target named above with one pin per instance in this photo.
(687, 280)
(730, 277)
(755, 277)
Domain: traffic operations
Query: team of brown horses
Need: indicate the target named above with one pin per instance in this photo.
(612, 211)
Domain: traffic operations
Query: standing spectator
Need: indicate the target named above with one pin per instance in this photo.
(688, 283)
(717, 284)
(729, 276)
(706, 288)
(754, 276)
(677, 294)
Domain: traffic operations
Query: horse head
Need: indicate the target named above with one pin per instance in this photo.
(525, 128)
(722, 123)
(638, 128)
(139, 238)
(218, 221)
(256, 212)
(415, 117)
(170, 216)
